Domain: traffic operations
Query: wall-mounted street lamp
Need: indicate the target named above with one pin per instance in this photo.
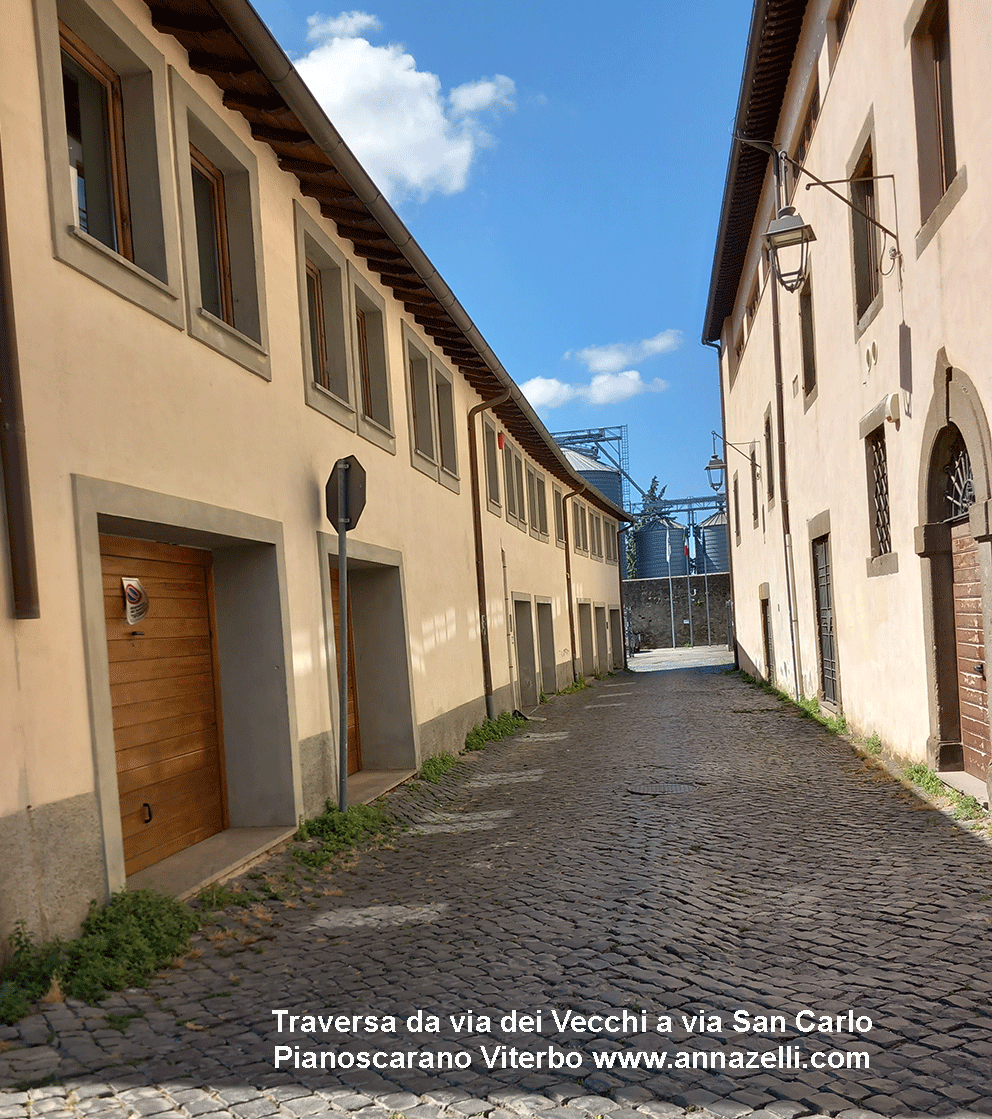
(787, 233)
(716, 467)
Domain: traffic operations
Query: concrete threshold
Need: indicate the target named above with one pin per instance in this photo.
(965, 783)
(213, 860)
(366, 785)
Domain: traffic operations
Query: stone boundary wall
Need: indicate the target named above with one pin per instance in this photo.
(648, 606)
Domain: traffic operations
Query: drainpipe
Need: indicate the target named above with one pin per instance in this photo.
(623, 604)
(13, 446)
(731, 637)
(480, 559)
(790, 573)
(568, 574)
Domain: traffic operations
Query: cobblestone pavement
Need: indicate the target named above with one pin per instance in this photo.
(780, 871)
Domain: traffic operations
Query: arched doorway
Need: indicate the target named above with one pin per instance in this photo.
(954, 544)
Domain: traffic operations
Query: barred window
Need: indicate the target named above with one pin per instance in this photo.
(878, 483)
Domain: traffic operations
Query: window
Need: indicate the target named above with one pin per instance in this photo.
(596, 534)
(754, 485)
(513, 477)
(842, 18)
(865, 233)
(805, 135)
(218, 193)
(737, 510)
(210, 214)
(94, 125)
(371, 367)
(808, 341)
(492, 466)
(559, 516)
(752, 304)
(537, 504)
(934, 116)
(111, 178)
(327, 371)
(769, 469)
(430, 397)
(420, 402)
(580, 530)
(610, 540)
(878, 492)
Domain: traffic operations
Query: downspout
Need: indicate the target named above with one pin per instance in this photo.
(480, 559)
(13, 445)
(731, 637)
(568, 575)
(623, 604)
(790, 574)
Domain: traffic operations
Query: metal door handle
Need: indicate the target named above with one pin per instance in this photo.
(148, 808)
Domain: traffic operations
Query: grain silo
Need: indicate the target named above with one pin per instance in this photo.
(711, 545)
(660, 549)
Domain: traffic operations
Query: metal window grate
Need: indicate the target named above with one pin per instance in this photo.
(880, 492)
(960, 491)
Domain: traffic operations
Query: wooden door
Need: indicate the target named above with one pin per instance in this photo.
(825, 618)
(969, 636)
(354, 732)
(164, 688)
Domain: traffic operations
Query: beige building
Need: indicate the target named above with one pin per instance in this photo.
(206, 303)
(856, 389)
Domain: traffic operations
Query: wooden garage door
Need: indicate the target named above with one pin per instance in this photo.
(969, 634)
(354, 734)
(164, 688)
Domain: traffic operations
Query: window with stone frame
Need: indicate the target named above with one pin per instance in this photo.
(876, 456)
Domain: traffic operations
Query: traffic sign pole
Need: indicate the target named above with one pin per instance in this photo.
(342, 471)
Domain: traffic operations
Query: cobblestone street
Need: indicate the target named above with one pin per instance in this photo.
(778, 872)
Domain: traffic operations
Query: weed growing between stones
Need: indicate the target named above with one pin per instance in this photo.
(576, 685)
(121, 944)
(492, 730)
(434, 768)
(337, 831)
(963, 807)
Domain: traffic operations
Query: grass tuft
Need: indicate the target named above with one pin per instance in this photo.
(434, 768)
(121, 944)
(337, 831)
(492, 730)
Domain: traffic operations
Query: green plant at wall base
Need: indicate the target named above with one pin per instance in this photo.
(926, 779)
(576, 685)
(121, 944)
(543, 697)
(492, 730)
(434, 768)
(337, 831)
(873, 744)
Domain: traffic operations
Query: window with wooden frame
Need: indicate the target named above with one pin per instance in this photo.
(492, 466)
(444, 397)
(516, 494)
(805, 135)
(537, 504)
(937, 155)
(315, 324)
(580, 530)
(509, 484)
(842, 17)
(94, 124)
(754, 485)
(867, 275)
(610, 540)
(422, 421)
(370, 352)
(108, 157)
(518, 478)
(213, 256)
(559, 515)
(808, 339)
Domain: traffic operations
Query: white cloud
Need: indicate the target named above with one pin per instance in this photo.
(487, 93)
(616, 356)
(344, 26)
(411, 138)
(604, 388)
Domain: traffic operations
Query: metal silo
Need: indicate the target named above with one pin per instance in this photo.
(711, 545)
(654, 543)
(605, 478)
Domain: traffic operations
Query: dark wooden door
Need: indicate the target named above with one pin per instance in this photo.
(164, 690)
(825, 618)
(354, 730)
(969, 637)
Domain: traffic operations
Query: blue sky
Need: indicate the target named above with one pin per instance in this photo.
(562, 164)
